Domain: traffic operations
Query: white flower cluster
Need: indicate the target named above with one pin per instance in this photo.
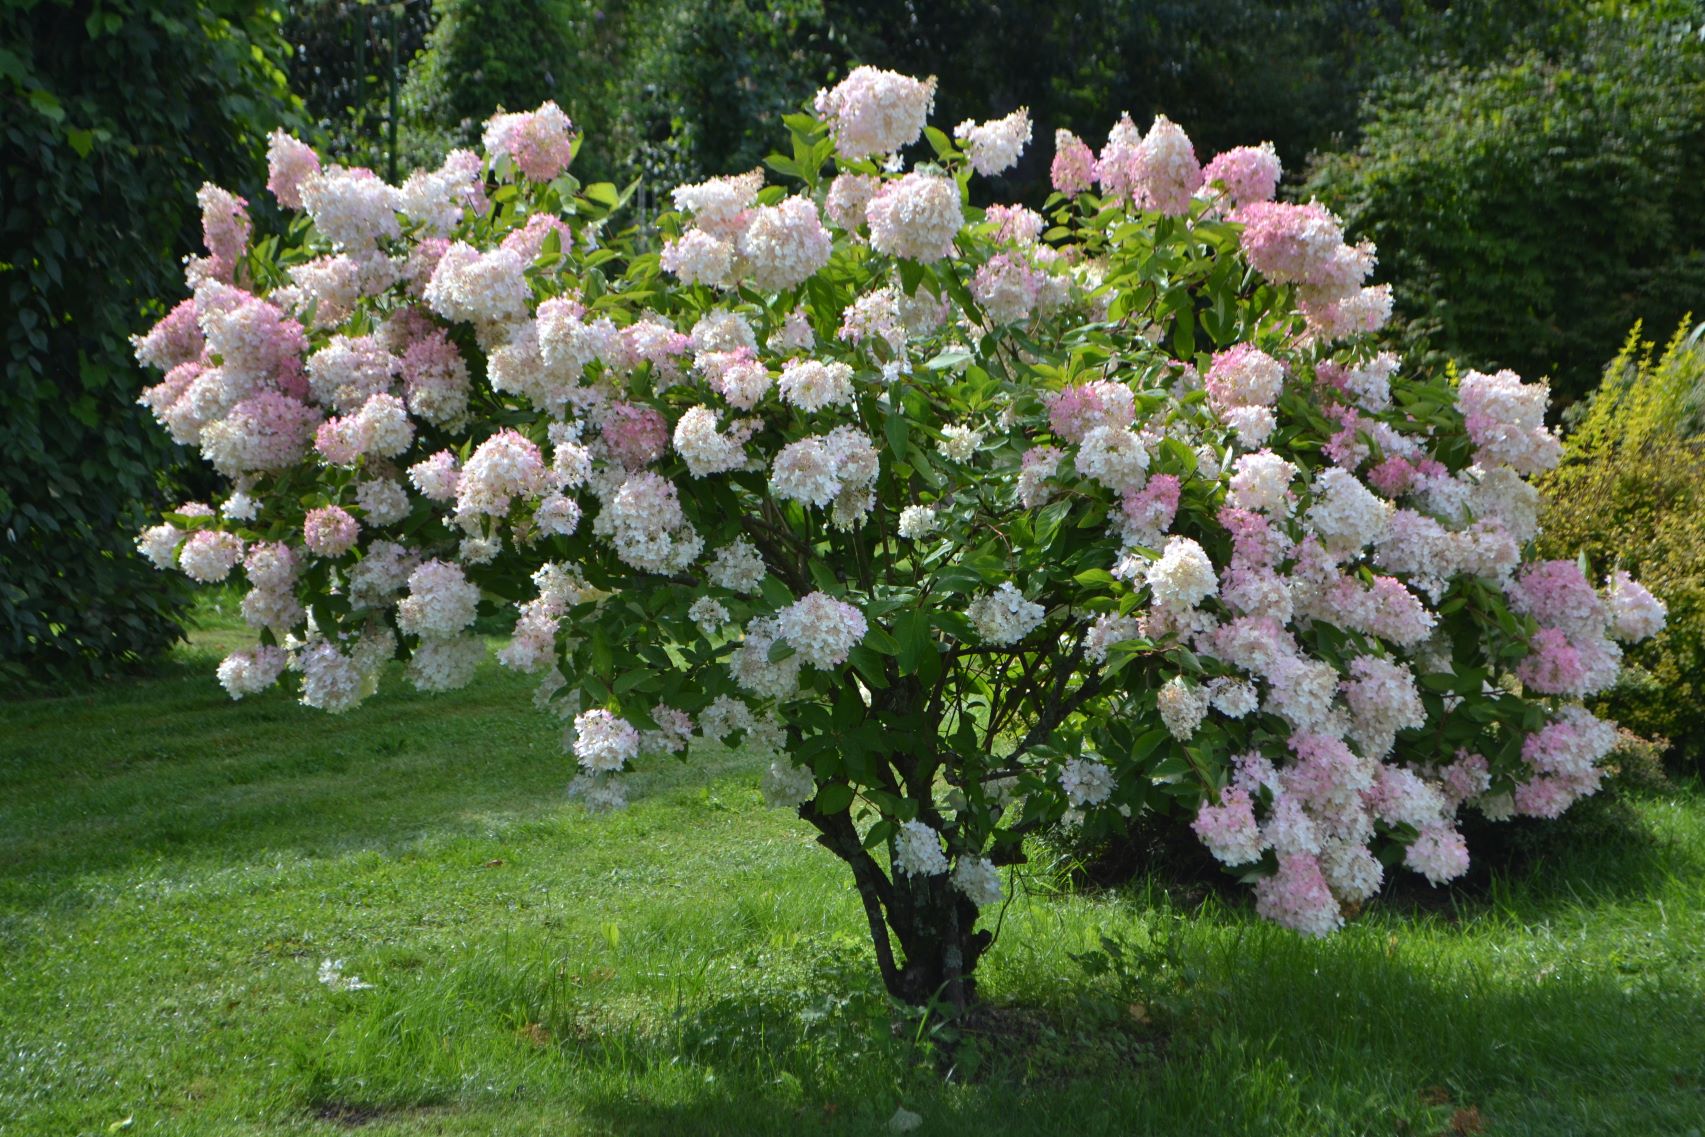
(350, 369)
(813, 386)
(847, 198)
(839, 467)
(709, 614)
(1262, 481)
(353, 208)
(783, 245)
(706, 449)
(994, 146)
(821, 629)
(1107, 630)
(1004, 616)
(1635, 613)
(916, 521)
(1233, 698)
(643, 520)
(959, 442)
(604, 743)
(979, 880)
(1182, 707)
(251, 670)
(875, 112)
(441, 601)
(1346, 515)
(1506, 420)
(445, 663)
(915, 218)
(1115, 457)
(440, 198)
(1382, 699)
(1183, 577)
(753, 669)
(786, 784)
(917, 850)
(504, 467)
(775, 247)
(738, 567)
(1086, 782)
(483, 288)
(209, 555)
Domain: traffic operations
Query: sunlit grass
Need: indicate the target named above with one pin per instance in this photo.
(176, 868)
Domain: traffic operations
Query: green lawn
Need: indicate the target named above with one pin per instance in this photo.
(174, 868)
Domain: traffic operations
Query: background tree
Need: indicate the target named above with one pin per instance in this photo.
(341, 67)
(1529, 206)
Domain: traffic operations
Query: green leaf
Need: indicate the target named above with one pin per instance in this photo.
(631, 679)
(881, 641)
(1184, 333)
(1096, 577)
(1049, 519)
(879, 833)
(869, 666)
(916, 642)
(834, 798)
(896, 429)
(1145, 744)
(911, 275)
(47, 104)
(786, 167)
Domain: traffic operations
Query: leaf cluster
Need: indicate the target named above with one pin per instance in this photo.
(1631, 494)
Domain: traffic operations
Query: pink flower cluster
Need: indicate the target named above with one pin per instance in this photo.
(540, 141)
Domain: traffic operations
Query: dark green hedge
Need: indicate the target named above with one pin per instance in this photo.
(115, 114)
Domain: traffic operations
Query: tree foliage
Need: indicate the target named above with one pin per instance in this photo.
(341, 67)
(115, 114)
(1531, 207)
(685, 88)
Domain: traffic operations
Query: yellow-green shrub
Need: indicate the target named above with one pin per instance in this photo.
(1631, 494)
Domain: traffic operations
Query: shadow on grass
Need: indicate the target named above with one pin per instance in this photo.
(170, 770)
(1243, 1030)
(1605, 847)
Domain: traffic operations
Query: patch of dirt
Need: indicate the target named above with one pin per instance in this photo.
(1467, 1122)
(347, 1115)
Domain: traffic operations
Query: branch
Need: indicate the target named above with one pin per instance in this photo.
(837, 834)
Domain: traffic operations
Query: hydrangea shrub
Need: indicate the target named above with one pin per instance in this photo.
(969, 521)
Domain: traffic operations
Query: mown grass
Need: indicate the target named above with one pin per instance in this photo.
(174, 869)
